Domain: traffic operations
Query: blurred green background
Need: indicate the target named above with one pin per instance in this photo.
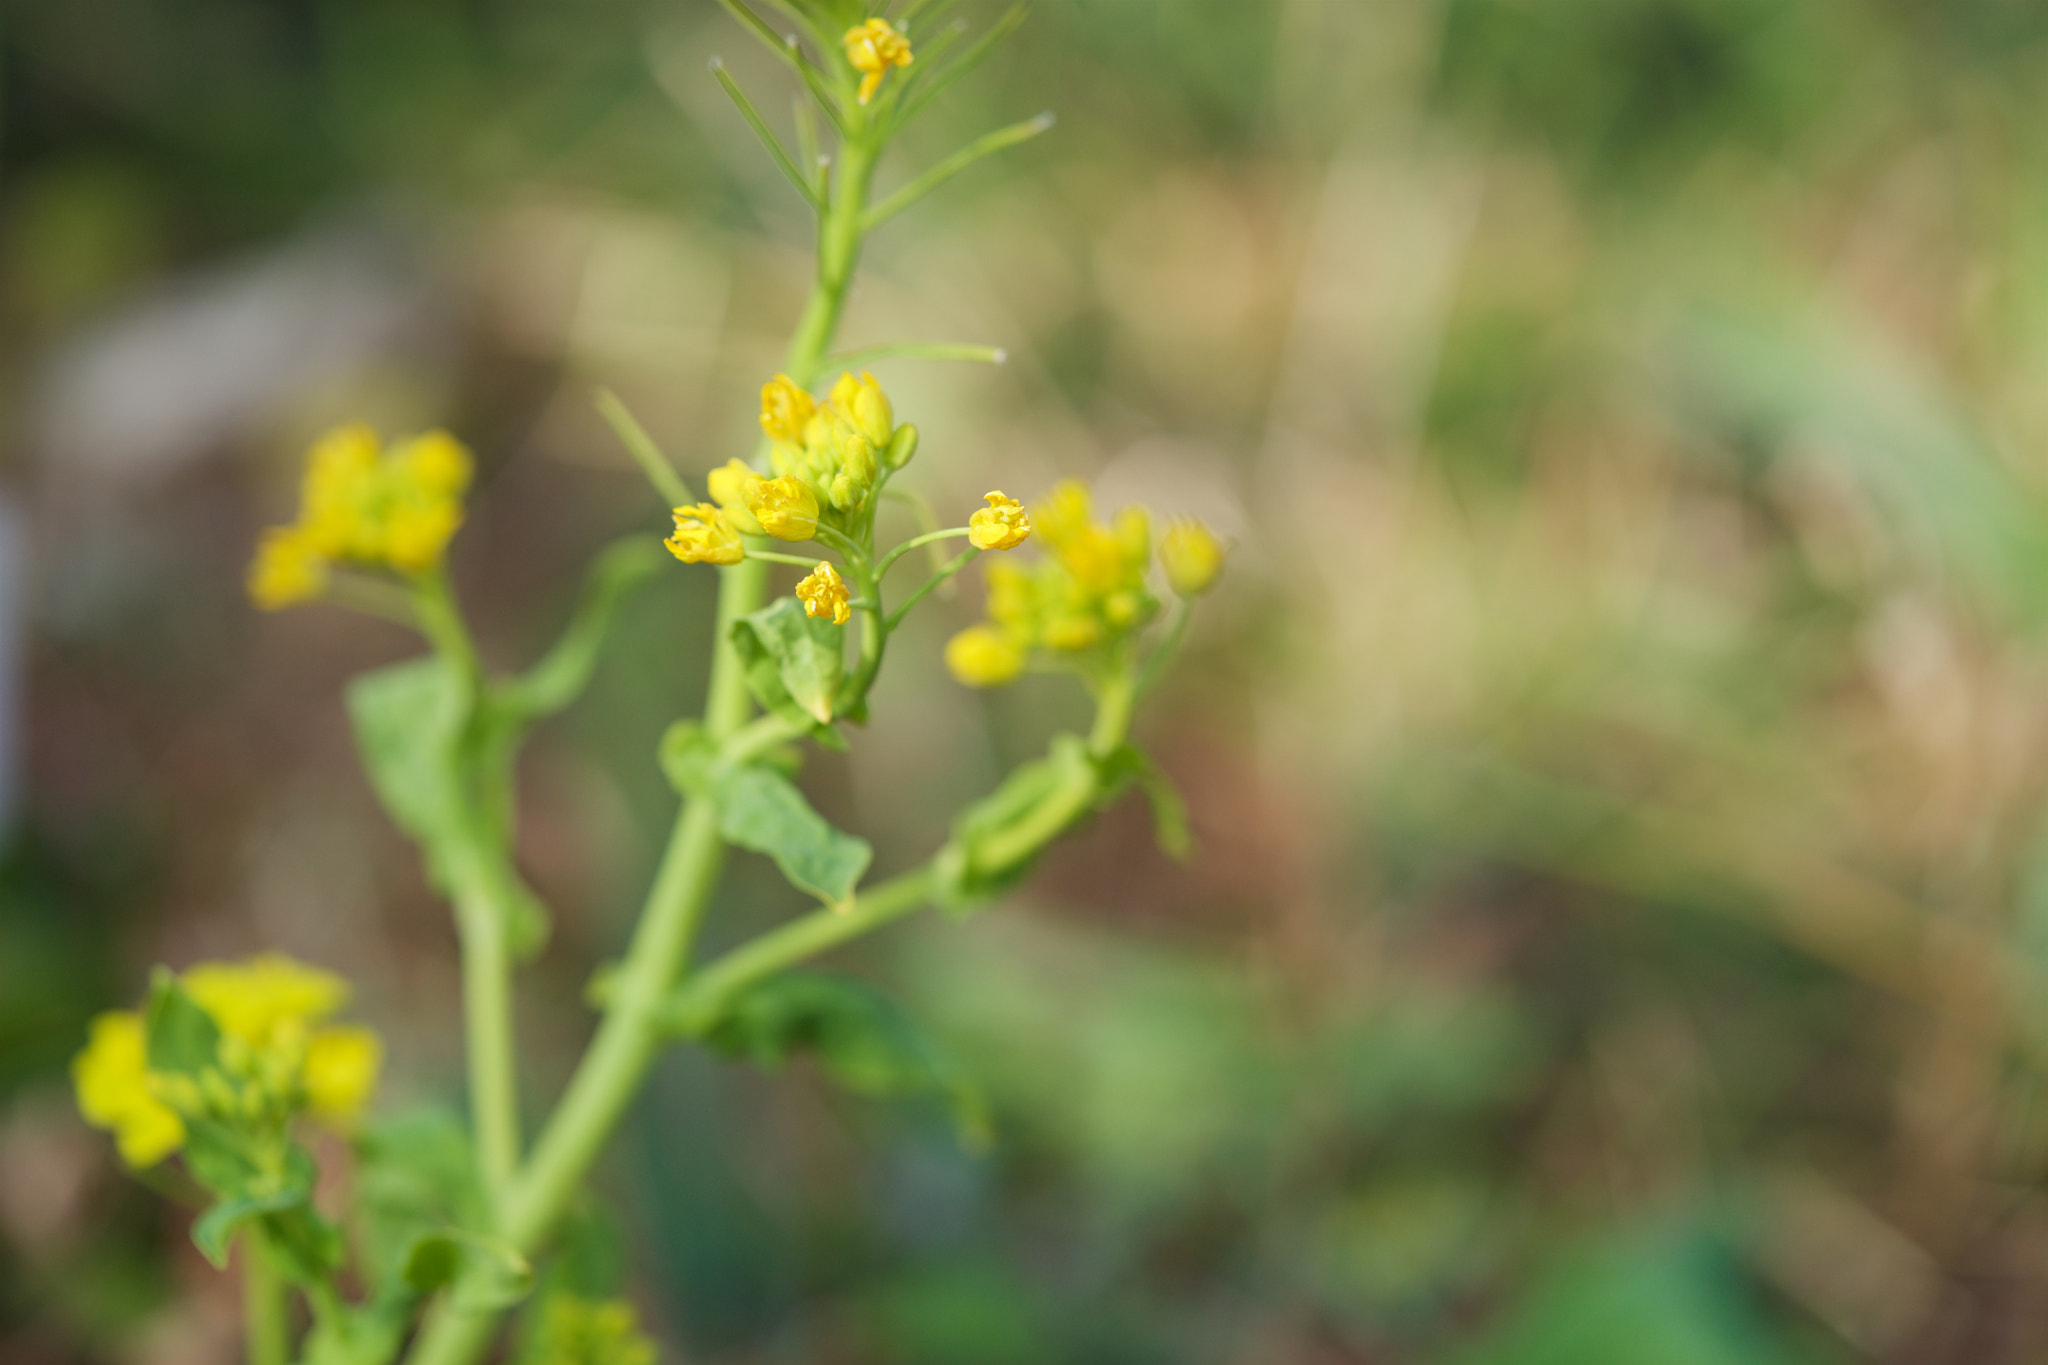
(1619, 753)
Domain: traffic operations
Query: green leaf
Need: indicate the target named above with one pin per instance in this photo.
(687, 755)
(563, 672)
(215, 1229)
(487, 1274)
(974, 867)
(414, 1176)
(860, 1038)
(763, 811)
(1169, 812)
(418, 733)
(183, 1039)
(794, 661)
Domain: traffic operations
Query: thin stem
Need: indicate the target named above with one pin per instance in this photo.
(798, 941)
(761, 130)
(674, 492)
(952, 566)
(488, 1039)
(986, 145)
(918, 350)
(371, 597)
(264, 1322)
(950, 533)
(776, 557)
(756, 25)
(1169, 644)
(935, 84)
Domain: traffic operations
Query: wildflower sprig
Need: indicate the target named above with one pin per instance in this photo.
(227, 1065)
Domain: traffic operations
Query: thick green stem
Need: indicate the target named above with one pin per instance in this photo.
(263, 1306)
(617, 1060)
(488, 1043)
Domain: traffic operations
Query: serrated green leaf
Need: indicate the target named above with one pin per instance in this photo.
(794, 661)
(182, 1037)
(214, 1230)
(1169, 812)
(860, 1038)
(763, 811)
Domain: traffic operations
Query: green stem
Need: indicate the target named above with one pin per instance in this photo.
(655, 465)
(917, 350)
(630, 1034)
(775, 557)
(263, 1306)
(946, 571)
(489, 1042)
(889, 559)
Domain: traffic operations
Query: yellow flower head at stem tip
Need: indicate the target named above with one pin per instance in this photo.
(265, 998)
(1191, 555)
(112, 1082)
(785, 507)
(874, 47)
(823, 594)
(704, 536)
(341, 1072)
(982, 656)
(1002, 525)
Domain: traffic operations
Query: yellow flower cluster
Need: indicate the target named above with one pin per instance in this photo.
(277, 1055)
(1088, 593)
(579, 1331)
(393, 508)
(835, 449)
(874, 47)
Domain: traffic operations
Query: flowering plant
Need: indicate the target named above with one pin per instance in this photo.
(447, 1226)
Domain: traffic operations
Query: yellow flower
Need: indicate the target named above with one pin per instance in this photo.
(823, 594)
(417, 533)
(265, 1000)
(434, 464)
(785, 409)
(112, 1081)
(728, 486)
(704, 536)
(287, 569)
(785, 507)
(982, 656)
(874, 47)
(1064, 513)
(341, 1071)
(339, 491)
(1192, 557)
(863, 403)
(1002, 525)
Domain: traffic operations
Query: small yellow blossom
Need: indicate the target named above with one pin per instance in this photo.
(579, 1331)
(728, 487)
(1191, 555)
(704, 536)
(434, 464)
(864, 404)
(417, 532)
(287, 569)
(339, 491)
(874, 47)
(265, 1000)
(786, 507)
(1002, 525)
(823, 594)
(341, 1072)
(785, 409)
(113, 1084)
(982, 656)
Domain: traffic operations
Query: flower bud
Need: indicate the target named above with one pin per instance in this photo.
(981, 656)
(786, 507)
(785, 409)
(728, 487)
(902, 446)
(1192, 557)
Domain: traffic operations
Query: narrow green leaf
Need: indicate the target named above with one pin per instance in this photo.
(860, 1038)
(214, 1231)
(794, 661)
(781, 158)
(986, 145)
(935, 83)
(563, 672)
(761, 810)
(656, 466)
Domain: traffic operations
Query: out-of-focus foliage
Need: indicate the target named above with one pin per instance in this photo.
(1619, 911)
